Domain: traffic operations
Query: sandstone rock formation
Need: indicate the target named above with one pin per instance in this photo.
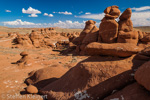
(131, 92)
(44, 76)
(142, 75)
(23, 40)
(126, 33)
(85, 75)
(25, 60)
(108, 29)
(88, 27)
(114, 49)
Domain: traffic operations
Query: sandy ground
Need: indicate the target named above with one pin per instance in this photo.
(12, 76)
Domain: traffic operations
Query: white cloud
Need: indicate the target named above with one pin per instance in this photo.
(141, 18)
(92, 16)
(65, 13)
(62, 24)
(19, 23)
(45, 14)
(33, 15)
(80, 12)
(49, 15)
(141, 8)
(31, 11)
(87, 13)
(7, 10)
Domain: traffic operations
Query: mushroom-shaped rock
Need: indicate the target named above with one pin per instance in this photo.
(24, 53)
(31, 89)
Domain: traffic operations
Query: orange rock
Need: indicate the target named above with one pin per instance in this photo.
(108, 31)
(115, 49)
(130, 92)
(142, 75)
(31, 89)
(126, 14)
(128, 37)
(44, 76)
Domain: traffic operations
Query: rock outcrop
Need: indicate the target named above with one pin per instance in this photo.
(84, 76)
(108, 29)
(126, 33)
(114, 49)
(142, 75)
(44, 76)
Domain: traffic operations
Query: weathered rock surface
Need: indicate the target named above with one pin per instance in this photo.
(84, 76)
(44, 76)
(131, 92)
(142, 75)
(115, 49)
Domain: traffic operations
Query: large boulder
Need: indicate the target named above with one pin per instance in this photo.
(115, 49)
(108, 31)
(31, 89)
(44, 76)
(84, 76)
(142, 75)
(131, 92)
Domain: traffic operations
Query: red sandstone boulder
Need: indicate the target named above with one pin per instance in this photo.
(115, 49)
(142, 75)
(44, 76)
(108, 31)
(131, 92)
(31, 89)
(84, 76)
(112, 12)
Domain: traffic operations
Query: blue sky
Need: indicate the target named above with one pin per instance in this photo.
(67, 13)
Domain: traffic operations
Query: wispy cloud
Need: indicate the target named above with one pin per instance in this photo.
(7, 10)
(65, 13)
(92, 16)
(87, 13)
(49, 15)
(141, 8)
(80, 12)
(31, 11)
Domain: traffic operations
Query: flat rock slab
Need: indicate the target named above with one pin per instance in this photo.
(114, 49)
